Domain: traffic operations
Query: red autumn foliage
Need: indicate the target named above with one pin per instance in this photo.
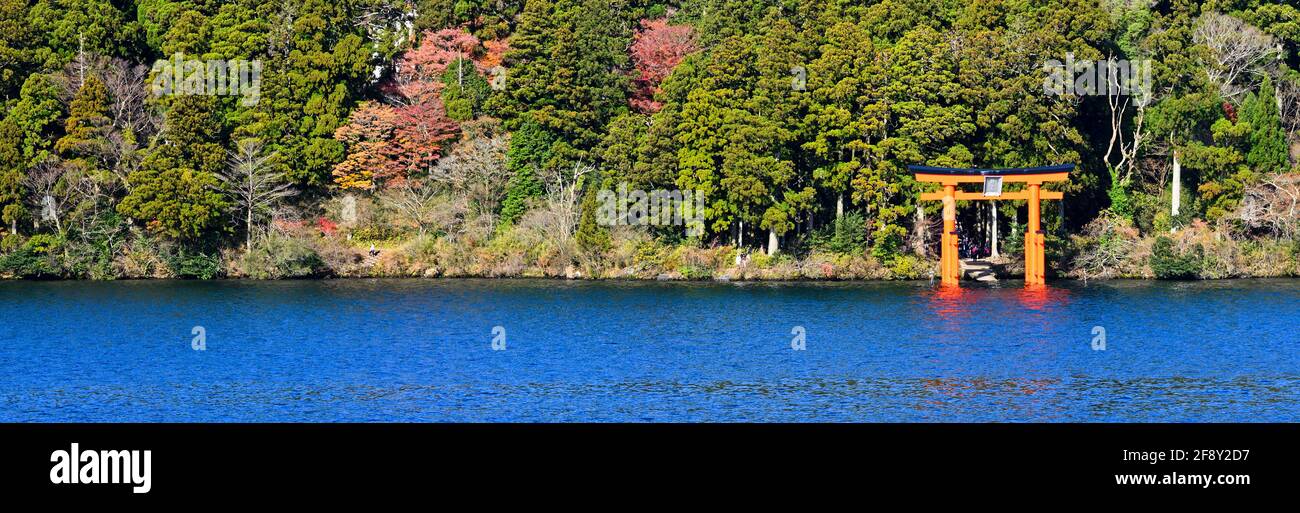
(388, 143)
(418, 137)
(326, 226)
(658, 48)
(418, 73)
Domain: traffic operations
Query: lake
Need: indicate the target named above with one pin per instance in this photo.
(423, 350)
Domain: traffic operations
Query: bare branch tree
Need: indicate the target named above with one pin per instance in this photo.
(135, 121)
(1288, 96)
(1118, 104)
(254, 184)
(476, 170)
(128, 93)
(422, 203)
(563, 195)
(280, 35)
(49, 195)
(390, 23)
(132, 120)
(1242, 53)
(1119, 100)
(1273, 205)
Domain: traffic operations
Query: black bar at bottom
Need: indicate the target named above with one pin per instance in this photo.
(393, 460)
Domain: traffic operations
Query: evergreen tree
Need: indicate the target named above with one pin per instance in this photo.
(489, 19)
(318, 62)
(591, 236)
(567, 71)
(721, 142)
(926, 120)
(718, 20)
(464, 90)
(12, 172)
(523, 186)
(781, 99)
(189, 35)
(643, 150)
(620, 150)
(846, 115)
(18, 47)
(84, 135)
(175, 190)
(75, 26)
(36, 114)
(530, 152)
(1268, 147)
(85, 148)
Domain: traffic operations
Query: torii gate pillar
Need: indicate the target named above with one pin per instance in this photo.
(949, 264)
(1035, 242)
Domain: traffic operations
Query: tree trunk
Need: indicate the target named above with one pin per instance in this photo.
(839, 205)
(248, 231)
(772, 244)
(993, 232)
(1060, 214)
(1177, 185)
(740, 235)
(922, 234)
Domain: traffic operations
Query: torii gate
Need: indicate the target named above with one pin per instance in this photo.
(1034, 177)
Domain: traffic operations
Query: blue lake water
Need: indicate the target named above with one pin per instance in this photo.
(421, 350)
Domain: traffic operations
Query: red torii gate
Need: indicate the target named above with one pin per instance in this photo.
(1033, 177)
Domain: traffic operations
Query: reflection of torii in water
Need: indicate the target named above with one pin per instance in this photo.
(1032, 177)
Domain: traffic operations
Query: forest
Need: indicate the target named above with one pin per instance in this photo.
(320, 138)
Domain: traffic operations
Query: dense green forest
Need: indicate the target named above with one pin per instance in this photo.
(472, 137)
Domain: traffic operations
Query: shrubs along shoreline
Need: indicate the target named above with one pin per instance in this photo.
(1107, 249)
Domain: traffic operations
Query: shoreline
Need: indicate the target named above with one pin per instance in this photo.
(964, 281)
(1196, 253)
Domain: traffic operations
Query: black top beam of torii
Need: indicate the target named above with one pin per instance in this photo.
(973, 171)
